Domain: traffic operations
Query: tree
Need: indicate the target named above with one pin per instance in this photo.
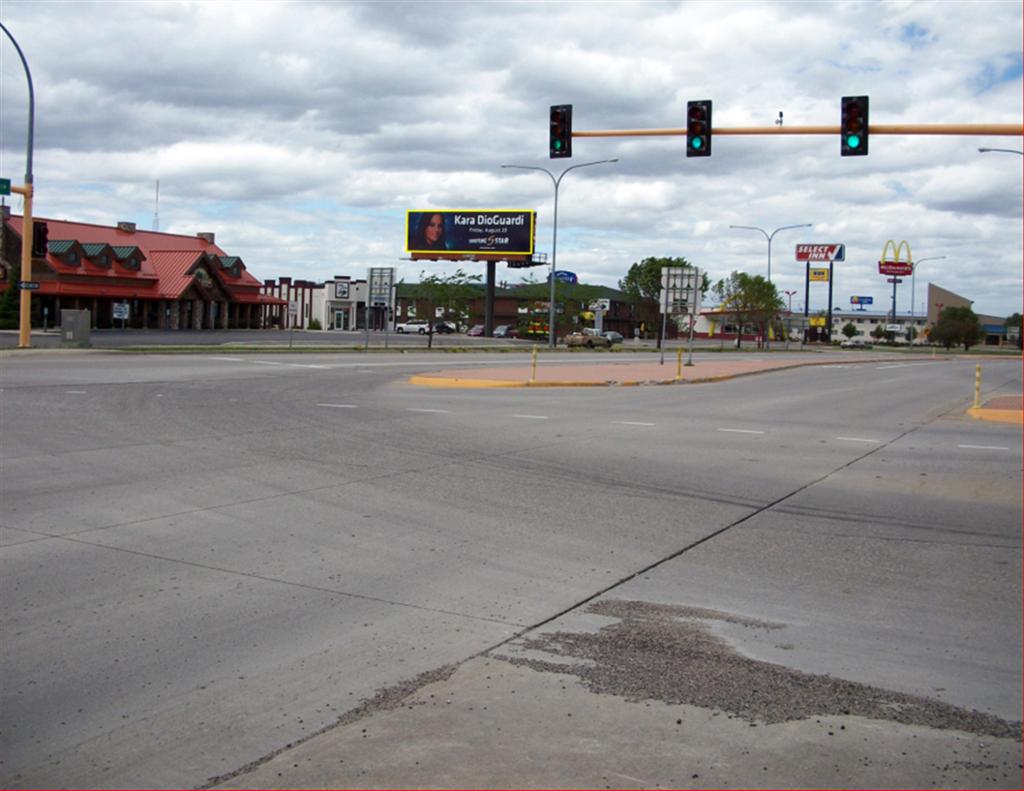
(749, 299)
(957, 325)
(451, 294)
(849, 330)
(878, 332)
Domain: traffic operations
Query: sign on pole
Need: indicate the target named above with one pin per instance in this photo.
(382, 281)
(120, 310)
(5, 186)
(680, 290)
(819, 274)
(821, 252)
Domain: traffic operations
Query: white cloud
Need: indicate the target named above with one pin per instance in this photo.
(300, 132)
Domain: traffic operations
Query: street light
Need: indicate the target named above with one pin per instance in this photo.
(789, 316)
(1003, 150)
(25, 303)
(913, 279)
(554, 233)
(769, 237)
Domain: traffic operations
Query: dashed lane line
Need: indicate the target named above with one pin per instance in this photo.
(740, 431)
(857, 439)
(984, 447)
(532, 417)
(432, 411)
(340, 406)
(631, 423)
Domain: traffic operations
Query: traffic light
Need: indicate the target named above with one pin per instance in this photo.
(698, 128)
(853, 127)
(40, 237)
(560, 146)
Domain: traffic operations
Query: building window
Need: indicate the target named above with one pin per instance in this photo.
(71, 257)
(104, 260)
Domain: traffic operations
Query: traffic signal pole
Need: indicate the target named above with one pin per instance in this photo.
(1010, 130)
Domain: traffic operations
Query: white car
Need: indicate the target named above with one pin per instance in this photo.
(414, 325)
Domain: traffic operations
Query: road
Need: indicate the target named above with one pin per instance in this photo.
(301, 570)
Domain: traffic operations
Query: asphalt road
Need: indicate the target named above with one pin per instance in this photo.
(304, 571)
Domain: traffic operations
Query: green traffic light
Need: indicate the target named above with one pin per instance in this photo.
(853, 141)
(697, 142)
(558, 145)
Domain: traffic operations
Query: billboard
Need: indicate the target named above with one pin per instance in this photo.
(862, 300)
(468, 231)
(819, 275)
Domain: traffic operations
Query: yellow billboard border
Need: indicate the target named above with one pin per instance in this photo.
(533, 224)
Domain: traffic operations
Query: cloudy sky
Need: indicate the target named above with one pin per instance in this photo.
(301, 132)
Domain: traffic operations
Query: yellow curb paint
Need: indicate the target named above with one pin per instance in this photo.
(997, 415)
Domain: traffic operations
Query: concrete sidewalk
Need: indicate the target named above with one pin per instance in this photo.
(618, 372)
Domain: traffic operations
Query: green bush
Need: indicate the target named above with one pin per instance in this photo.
(314, 324)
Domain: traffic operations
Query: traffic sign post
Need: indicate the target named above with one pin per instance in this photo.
(5, 186)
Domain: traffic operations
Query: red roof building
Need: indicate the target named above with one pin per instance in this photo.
(169, 281)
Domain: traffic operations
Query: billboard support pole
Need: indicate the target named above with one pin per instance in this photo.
(828, 326)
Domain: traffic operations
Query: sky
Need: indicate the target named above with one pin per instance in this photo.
(300, 133)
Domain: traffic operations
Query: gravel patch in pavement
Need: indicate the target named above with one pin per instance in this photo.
(668, 653)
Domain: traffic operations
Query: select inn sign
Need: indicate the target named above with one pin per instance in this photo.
(821, 252)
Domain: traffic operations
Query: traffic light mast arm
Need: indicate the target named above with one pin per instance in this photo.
(1010, 130)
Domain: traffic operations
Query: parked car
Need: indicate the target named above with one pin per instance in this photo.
(444, 328)
(476, 330)
(505, 331)
(414, 325)
(588, 338)
(855, 343)
(613, 336)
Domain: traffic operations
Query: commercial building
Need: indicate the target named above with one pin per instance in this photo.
(167, 281)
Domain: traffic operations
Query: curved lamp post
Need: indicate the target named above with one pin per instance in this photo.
(554, 234)
(769, 237)
(913, 278)
(25, 303)
(1003, 150)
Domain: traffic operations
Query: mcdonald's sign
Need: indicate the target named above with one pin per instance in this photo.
(892, 265)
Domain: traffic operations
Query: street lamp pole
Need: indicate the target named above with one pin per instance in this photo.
(769, 237)
(913, 279)
(1003, 150)
(554, 234)
(25, 303)
(789, 317)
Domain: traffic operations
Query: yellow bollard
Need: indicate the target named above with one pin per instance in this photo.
(533, 367)
(679, 364)
(977, 385)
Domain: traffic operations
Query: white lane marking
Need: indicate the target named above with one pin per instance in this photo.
(435, 411)
(228, 359)
(631, 423)
(532, 417)
(740, 431)
(340, 406)
(159, 395)
(75, 392)
(264, 362)
(900, 365)
(303, 365)
(984, 447)
(857, 439)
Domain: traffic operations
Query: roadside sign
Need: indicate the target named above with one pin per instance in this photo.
(5, 186)
(816, 321)
(896, 280)
(901, 268)
(600, 305)
(680, 290)
(381, 281)
(821, 252)
(819, 275)
(862, 300)
(28, 285)
(893, 327)
(120, 310)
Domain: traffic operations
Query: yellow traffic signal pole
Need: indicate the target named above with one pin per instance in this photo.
(25, 303)
(1013, 130)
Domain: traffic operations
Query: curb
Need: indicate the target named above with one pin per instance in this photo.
(997, 415)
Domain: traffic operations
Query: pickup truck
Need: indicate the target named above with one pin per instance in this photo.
(587, 338)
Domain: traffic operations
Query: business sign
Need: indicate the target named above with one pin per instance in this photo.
(891, 263)
(821, 252)
(897, 268)
(816, 321)
(862, 300)
(5, 186)
(120, 310)
(465, 232)
(819, 275)
(565, 277)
